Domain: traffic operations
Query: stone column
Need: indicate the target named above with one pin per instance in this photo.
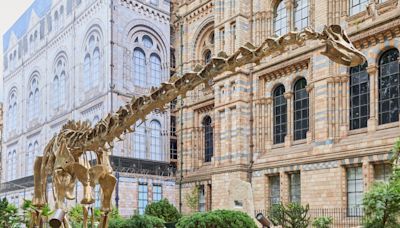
(284, 187)
(311, 122)
(368, 174)
(345, 111)
(268, 122)
(373, 98)
(269, 23)
(289, 131)
(290, 9)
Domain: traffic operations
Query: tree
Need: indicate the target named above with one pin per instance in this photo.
(294, 215)
(382, 202)
(192, 199)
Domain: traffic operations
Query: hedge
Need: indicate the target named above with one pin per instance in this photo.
(217, 219)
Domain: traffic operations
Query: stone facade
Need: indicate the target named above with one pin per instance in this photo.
(242, 104)
(70, 59)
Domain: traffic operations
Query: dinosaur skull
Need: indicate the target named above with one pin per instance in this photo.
(339, 48)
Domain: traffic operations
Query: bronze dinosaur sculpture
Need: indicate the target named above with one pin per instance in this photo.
(62, 158)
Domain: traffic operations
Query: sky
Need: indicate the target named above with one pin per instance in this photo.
(9, 13)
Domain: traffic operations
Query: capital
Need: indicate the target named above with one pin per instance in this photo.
(372, 69)
(309, 87)
(288, 95)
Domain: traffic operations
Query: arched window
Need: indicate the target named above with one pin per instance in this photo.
(86, 71)
(389, 84)
(155, 62)
(14, 165)
(359, 96)
(147, 41)
(155, 144)
(280, 19)
(300, 109)
(140, 141)
(56, 21)
(9, 166)
(95, 67)
(280, 115)
(33, 99)
(139, 67)
(59, 84)
(301, 14)
(207, 56)
(92, 62)
(208, 139)
(12, 110)
(357, 6)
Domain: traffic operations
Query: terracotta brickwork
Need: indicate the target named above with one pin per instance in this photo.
(241, 103)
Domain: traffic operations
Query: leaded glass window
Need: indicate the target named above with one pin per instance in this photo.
(143, 189)
(140, 141)
(96, 67)
(139, 67)
(359, 96)
(207, 56)
(280, 19)
(12, 110)
(355, 189)
(148, 43)
(155, 65)
(86, 71)
(208, 139)
(382, 172)
(357, 6)
(157, 192)
(155, 144)
(202, 198)
(301, 14)
(300, 109)
(274, 190)
(295, 187)
(389, 84)
(33, 100)
(280, 115)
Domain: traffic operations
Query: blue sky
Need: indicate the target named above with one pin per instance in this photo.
(10, 11)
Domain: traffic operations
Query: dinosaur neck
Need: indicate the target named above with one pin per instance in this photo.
(114, 126)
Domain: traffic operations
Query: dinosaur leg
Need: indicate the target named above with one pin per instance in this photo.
(85, 216)
(107, 184)
(38, 195)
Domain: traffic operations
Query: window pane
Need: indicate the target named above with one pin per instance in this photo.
(139, 68)
(280, 114)
(280, 19)
(274, 190)
(142, 201)
(300, 109)
(389, 87)
(355, 189)
(301, 14)
(359, 97)
(208, 139)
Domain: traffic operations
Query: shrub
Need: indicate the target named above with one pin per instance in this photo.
(142, 221)
(382, 203)
(8, 214)
(294, 215)
(163, 210)
(322, 222)
(217, 219)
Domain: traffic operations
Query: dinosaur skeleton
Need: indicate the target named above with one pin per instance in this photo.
(63, 160)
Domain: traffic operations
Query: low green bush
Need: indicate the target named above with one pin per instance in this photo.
(163, 209)
(142, 221)
(217, 219)
(322, 222)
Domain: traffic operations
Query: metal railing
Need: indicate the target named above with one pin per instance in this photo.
(342, 217)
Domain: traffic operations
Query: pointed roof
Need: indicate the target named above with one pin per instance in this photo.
(20, 27)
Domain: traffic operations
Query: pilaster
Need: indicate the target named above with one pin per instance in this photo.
(289, 131)
(373, 98)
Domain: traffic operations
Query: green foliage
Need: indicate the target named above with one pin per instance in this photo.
(322, 222)
(294, 215)
(8, 215)
(217, 219)
(192, 199)
(382, 203)
(163, 210)
(142, 221)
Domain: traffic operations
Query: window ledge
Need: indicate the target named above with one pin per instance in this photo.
(357, 18)
(388, 125)
(277, 146)
(358, 131)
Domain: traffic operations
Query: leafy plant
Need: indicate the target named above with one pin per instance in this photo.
(163, 210)
(217, 219)
(322, 222)
(8, 215)
(142, 221)
(382, 203)
(192, 199)
(294, 215)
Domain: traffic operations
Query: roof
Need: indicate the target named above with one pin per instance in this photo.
(20, 27)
